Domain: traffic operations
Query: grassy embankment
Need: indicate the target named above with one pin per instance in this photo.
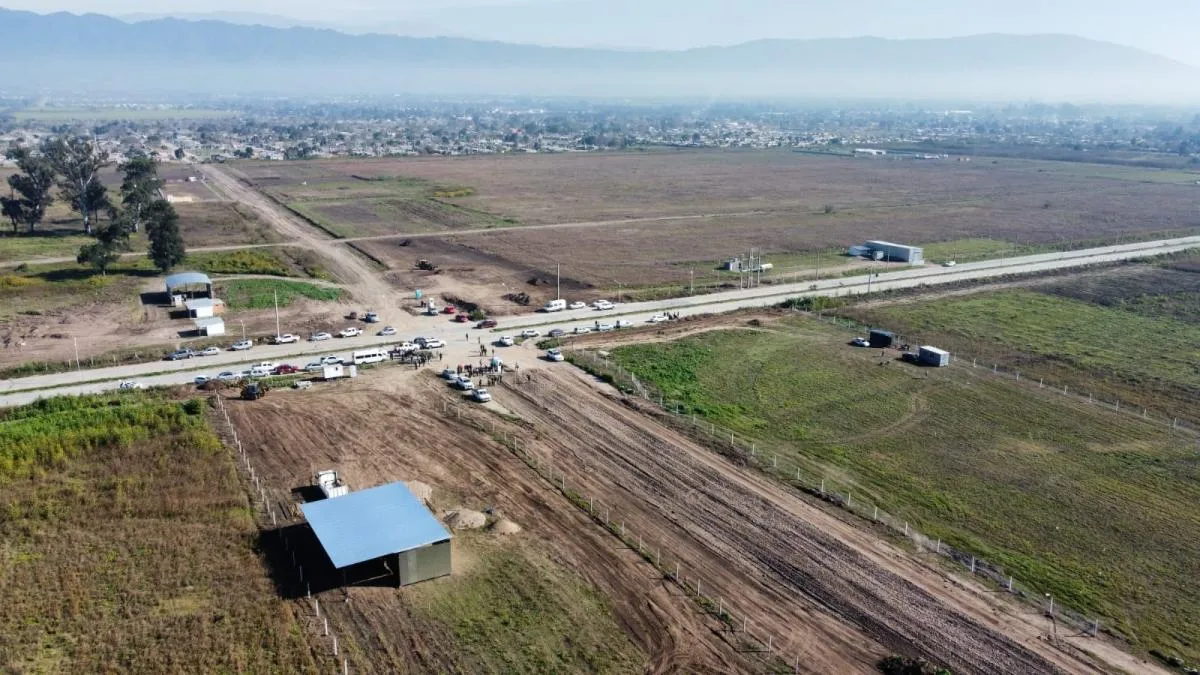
(129, 545)
(1099, 509)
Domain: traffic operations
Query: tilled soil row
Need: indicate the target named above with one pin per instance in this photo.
(751, 542)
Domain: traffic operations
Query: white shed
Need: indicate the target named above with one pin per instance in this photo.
(210, 327)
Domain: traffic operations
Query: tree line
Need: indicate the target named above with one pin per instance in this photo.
(73, 165)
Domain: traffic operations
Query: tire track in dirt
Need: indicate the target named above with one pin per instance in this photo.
(831, 603)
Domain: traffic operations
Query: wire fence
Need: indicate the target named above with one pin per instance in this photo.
(814, 478)
(269, 515)
(744, 633)
(990, 366)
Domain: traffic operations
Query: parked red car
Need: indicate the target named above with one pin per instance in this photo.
(450, 309)
(286, 369)
(462, 318)
(486, 323)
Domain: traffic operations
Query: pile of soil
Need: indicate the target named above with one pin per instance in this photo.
(420, 490)
(465, 519)
(505, 526)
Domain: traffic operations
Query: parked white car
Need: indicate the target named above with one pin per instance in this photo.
(860, 342)
(285, 339)
(657, 318)
(555, 355)
(209, 351)
(352, 331)
(624, 323)
(530, 333)
(229, 376)
(604, 327)
(603, 305)
(130, 384)
(434, 343)
(330, 359)
(464, 383)
(320, 337)
(242, 345)
(580, 330)
(578, 304)
(481, 396)
(506, 341)
(387, 330)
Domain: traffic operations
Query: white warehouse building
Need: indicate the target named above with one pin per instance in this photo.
(912, 255)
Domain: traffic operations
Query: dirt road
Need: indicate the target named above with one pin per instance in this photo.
(354, 273)
(826, 591)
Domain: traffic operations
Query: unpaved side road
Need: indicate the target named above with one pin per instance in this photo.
(826, 591)
(354, 273)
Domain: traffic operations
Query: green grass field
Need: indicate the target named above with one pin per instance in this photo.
(517, 611)
(1131, 333)
(129, 546)
(260, 293)
(1100, 509)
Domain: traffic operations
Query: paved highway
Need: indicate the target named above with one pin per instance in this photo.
(463, 342)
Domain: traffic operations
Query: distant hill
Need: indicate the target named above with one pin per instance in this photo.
(102, 53)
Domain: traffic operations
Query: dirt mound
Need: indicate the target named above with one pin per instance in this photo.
(420, 490)
(465, 519)
(505, 526)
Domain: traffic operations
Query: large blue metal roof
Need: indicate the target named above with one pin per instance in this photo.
(187, 279)
(365, 525)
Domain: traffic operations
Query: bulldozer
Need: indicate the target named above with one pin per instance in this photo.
(426, 266)
(254, 391)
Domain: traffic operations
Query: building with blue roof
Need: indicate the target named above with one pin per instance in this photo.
(385, 524)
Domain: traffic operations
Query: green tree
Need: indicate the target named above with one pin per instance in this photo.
(112, 239)
(178, 153)
(33, 184)
(78, 161)
(139, 188)
(162, 227)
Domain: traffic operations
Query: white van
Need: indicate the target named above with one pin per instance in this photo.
(555, 306)
(377, 355)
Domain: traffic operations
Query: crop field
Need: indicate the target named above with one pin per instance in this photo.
(1098, 508)
(129, 546)
(1131, 332)
(261, 293)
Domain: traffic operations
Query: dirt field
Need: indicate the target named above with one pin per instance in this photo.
(1006, 198)
(377, 432)
(656, 219)
(830, 595)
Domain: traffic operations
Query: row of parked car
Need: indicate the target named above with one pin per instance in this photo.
(464, 383)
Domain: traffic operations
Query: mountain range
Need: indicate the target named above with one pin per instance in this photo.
(67, 51)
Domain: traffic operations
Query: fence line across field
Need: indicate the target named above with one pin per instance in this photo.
(264, 502)
(812, 477)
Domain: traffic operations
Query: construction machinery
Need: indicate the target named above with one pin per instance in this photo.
(426, 266)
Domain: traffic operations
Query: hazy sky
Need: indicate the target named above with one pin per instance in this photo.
(1167, 27)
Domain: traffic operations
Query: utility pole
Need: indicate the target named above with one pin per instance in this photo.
(558, 283)
(692, 280)
(243, 328)
(276, 294)
(77, 366)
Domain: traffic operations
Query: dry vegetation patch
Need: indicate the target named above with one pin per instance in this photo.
(129, 546)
